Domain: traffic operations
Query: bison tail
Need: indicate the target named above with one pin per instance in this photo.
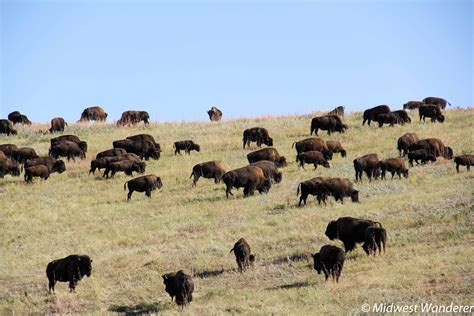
(292, 145)
(125, 185)
(298, 190)
(380, 224)
(192, 174)
(231, 250)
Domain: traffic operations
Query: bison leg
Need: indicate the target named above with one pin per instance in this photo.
(468, 167)
(348, 245)
(228, 191)
(195, 179)
(315, 165)
(129, 195)
(303, 198)
(148, 193)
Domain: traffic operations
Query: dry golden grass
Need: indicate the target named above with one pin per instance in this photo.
(428, 217)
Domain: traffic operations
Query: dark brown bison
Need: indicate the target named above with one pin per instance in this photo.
(53, 165)
(111, 153)
(403, 116)
(433, 145)
(40, 171)
(370, 114)
(214, 114)
(329, 123)
(309, 187)
(269, 169)
(464, 160)
(71, 138)
(370, 164)
(57, 125)
(70, 269)
(18, 118)
(9, 166)
(180, 286)
(101, 163)
(431, 111)
(394, 166)
(436, 101)
(186, 145)
(387, 118)
(420, 154)
(95, 113)
(270, 154)
(312, 157)
(250, 178)
(336, 147)
(412, 105)
(243, 254)
(145, 184)
(337, 111)
(349, 230)
(133, 117)
(210, 170)
(8, 149)
(6, 127)
(338, 188)
(24, 153)
(375, 238)
(144, 149)
(143, 137)
(67, 149)
(405, 141)
(125, 166)
(313, 144)
(330, 260)
(256, 134)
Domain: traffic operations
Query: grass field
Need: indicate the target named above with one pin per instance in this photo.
(428, 217)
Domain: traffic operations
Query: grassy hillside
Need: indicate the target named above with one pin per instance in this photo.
(428, 217)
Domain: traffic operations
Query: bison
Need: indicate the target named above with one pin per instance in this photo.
(403, 116)
(24, 153)
(179, 285)
(8, 149)
(269, 169)
(394, 165)
(71, 138)
(387, 118)
(250, 178)
(420, 154)
(6, 127)
(214, 114)
(67, 149)
(126, 166)
(336, 147)
(309, 187)
(270, 154)
(16, 117)
(405, 141)
(370, 114)
(313, 144)
(52, 164)
(133, 117)
(70, 269)
(57, 125)
(412, 105)
(329, 123)
(40, 171)
(375, 239)
(210, 170)
(111, 153)
(368, 163)
(243, 254)
(338, 188)
(349, 230)
(101, 163)
(312, 157)
(337, 111)
(436, 101)
(144, 149)
(330, 260)
(95, 113)
(464, 160)
(9, 166)
(257, 134)
(143, 137)
(145, 184)
(433, 145)
(186, 145)
(431, 111)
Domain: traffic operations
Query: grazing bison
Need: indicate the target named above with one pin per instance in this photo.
(412, 105)
(214, 114)
(67, 149)
(387, 118)
(309, 187)
(250, 178)
(16, 117)
(431, 111)
(9, 166)
(329, 123)
(70, 269)
(8, 149)
(145, 184)
(210, 170)
(464, 160)
(403, 116)
(179, 285)
(6, 127)
(371, 114)
(420, 154)
(405, 141)
(186, 145)
(71, 138)
(126, 166)
(144, 149)
(433, 145)
(336, 147)
(436, 101)
(313, 144)
(337, 111)
(52, 164)
(370, 164)
(243, 254)
(24, 153)
(394, 165)
(349, 230)
(95, 113)
(338, 188)
(133, 117)
(312, 157)
(257, 134)
(270, 154)
(375, 238)
(40, 171)
(111, 153)
(269, 169)
(57, 125)
(101, 163)
(330, 260)
(143, 137)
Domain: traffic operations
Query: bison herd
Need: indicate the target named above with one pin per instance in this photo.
(260, 174)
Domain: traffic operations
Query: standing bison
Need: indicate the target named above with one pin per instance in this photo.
(18, 118)
(70, 269)
(214, 114)
(257, 134)
(349, 230)
(211, 170)
(404, 142)
(243, 254)
(375, 239)
(309, 187)
(269, 169)
(394, 166)
(186, 145)
(57, 125)
(133, 117)
(95, 113)
(420, 154)
(436, 101)
(71, 138)
(43, 171)
(6, 127)
(8, 149)
(336, 147)
(9, 166)
(403, 116)
(338, 188)
(369, 164)
(431, 111)
(144, 149)
(330, 260)
(270, 154)
(312, 157)
(433, 145)
(313, 144)
(412, 105)
(370, 114)
(329, 123)
(464, 160)
(52, 164)
(250, 178)
(145, 184)
(180, 286)
(67, 149)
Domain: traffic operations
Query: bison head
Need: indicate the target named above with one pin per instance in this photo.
(265, 187)
(277, 177)
(141, 167)
(168, 280)
(158, 183)
(59, 166)
(440, 118)
(326, 164)
(405, 173)
(448, 153)
(343, 153)
(318, 266)
(196, 147)
(83, 146)
(252, 259)
(268, 141)
(355, 196)
(431, 157)
(331, 230)
(85, 265)
(281, 162)
(327, 154)
(367, 248)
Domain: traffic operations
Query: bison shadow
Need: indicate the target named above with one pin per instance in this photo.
(290, 259)
(296, 285)
(139, 309)
(210, 273)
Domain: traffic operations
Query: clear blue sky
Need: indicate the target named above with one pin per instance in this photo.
(176, 59)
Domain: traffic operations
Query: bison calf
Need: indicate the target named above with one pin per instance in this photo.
(420, 154)
(211, 170)
(464, 160)
(186, 145)
(312, 157)
(375, 238)
(179, 285)
(126, 166)
(330, 260)
(143, 184)
(270, 154)
(40, 171)
(70, 269)
(243, 255)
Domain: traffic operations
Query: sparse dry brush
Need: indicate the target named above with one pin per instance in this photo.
(428, 217)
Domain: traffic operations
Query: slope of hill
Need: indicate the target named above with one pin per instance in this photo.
(428, 217)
